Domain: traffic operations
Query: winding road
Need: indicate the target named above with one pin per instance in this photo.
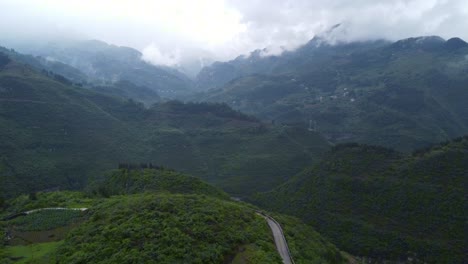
(278, 235)
(280, 240)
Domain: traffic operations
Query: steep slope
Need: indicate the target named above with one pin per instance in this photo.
(52, 133)
(377, 202)
(403, 95)
(56, 135)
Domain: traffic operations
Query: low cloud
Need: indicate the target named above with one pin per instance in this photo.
(154, 55)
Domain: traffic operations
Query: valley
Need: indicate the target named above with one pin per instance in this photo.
(336, 153)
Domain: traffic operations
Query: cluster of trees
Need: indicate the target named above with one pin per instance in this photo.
(137, 179)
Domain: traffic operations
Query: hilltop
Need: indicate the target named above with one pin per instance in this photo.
(171, 218)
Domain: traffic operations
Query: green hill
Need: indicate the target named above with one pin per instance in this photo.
(164, 217)
(403, 95)
(376, 202)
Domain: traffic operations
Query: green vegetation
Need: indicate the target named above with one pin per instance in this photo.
(45, 220)
(166, 229)
(372, 201)
(40, 253)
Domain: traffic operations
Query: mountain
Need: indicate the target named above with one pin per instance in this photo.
(47, 65)
(54, 134)
(104, 63)
(70, 75)
(164, 217)
(403, 95)
(373, 201)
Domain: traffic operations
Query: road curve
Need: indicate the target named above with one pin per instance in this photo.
(280, 240)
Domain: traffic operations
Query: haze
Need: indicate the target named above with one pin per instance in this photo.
(180, 31)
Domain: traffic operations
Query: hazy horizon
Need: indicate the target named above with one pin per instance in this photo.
(180, 32)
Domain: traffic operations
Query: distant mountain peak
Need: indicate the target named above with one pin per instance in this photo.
(455, 43)
(422, 42)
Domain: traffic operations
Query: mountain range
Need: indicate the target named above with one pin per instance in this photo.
(55, 134)
(404, 95)
(344, 136)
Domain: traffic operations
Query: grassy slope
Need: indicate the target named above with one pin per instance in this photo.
(375, 202)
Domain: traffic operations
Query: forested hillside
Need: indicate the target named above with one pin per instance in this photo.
(373, 201)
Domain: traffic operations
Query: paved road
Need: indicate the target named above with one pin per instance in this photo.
(280, 240)
(55, 208)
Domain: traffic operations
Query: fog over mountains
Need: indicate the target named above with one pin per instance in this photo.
(183, 32)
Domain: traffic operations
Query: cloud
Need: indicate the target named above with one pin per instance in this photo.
(175, 32)
(154, 55)
(291, 23)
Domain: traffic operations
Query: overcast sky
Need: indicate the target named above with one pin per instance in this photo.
(171, 31)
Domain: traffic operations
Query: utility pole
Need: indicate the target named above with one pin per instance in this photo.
(310, 125)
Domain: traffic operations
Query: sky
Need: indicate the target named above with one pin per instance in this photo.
(173, 32)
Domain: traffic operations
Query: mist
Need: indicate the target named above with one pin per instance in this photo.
(184, 32)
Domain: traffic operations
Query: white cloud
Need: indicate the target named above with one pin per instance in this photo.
(154, 55)
(176, 31)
